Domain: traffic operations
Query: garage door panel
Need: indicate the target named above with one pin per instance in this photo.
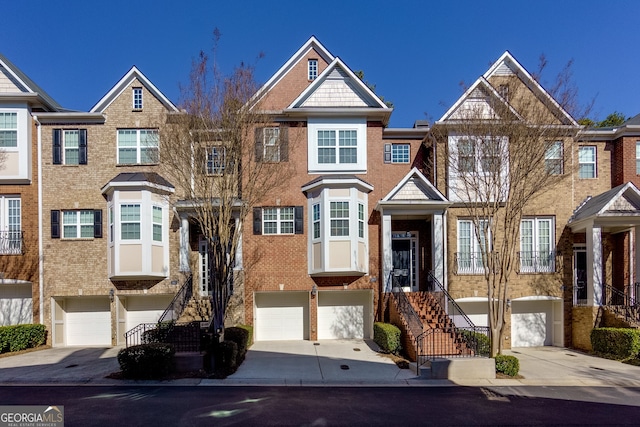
(16, 305)
(529, 330)
(344, 314)
(88, 321)
(281, 316)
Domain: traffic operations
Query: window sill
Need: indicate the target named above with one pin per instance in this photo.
(76, 239)
(120, 165)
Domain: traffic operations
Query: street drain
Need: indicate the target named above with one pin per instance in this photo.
(71, 366)
(356, 349)
(595, 367)
(316, 343)
(569, 354)
(344, 367)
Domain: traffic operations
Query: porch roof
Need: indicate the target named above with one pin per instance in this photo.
(614, 209)
(414, 193)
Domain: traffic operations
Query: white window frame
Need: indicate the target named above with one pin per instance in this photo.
(338, 219)
(312, 69)
(65, 147)
(469, 257)
(316, 221)
(137, 98)
(536, 254)
(156, 227)
(10, 225)
(283, 218)
(638, 157)
(271, 144)
(216, 160)
(554, 158)
(140, 145)
(72, 228)
(401, 153)
(583, 161)
(361, 217)
(130, 220)
(359, 126)
(8, 129)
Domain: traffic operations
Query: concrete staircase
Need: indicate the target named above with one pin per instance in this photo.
(198, 309)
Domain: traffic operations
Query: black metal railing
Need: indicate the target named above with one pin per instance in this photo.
(469, 262)
(179, 302)
(184, 336)
(453, 310)
(453, 341)
(537, 262)
(622, 303)
(11, 242)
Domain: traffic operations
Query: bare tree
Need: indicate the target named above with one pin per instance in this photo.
(210, 154)
(502, 148)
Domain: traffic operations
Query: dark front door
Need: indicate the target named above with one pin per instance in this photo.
(580, 276)
(404, 262)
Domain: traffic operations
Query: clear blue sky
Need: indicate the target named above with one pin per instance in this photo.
(416, 52)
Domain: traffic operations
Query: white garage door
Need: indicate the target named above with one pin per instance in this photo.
(145, 309)
(532, 323)
(16, 305)
(87, 321)
(344, 314)
(282, 316)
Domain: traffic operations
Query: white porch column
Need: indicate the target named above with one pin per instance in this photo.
(595, 280)
(238, 264)
(184, 244)
(387, 254)
(635, 260)
(437, 247)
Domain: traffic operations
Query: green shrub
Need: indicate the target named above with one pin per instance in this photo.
(387, 336)
(619, 342)
(226, 356)
(249, 329)
(240, 336)
(476, 341)
(21, 337)
(147, 361)
(508, 365)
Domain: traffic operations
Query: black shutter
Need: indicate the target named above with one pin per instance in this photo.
(257, 220)
(97, 223)
(284, 142)
(298, 225)
(387, 153)
(82, 144)
(259, 144)
(55, 224)
(57, 146)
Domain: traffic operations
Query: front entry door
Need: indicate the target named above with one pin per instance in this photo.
(404, 249)
(580, 276)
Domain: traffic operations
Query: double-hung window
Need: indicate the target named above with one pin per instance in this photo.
(138, 146)
(536, 245)
(130, 222)
(77, 224)
(344, 152)
(8, 129)
(480, 155)
(271, 144)
(216, 160)
(69, 147)
(137, 98)
(466, 156)
(157, 223)
(553, 158)
(316, 220)
(339, 215)
(587, 162)
(637, 157)
(361, 220)
(473, 246)
(278, 220)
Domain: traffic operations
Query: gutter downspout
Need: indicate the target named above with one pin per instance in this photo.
(40, 245)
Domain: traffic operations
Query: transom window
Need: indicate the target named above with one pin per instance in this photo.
(278, 220)
(553, 158)
(313, 69)
(130, 222)
(8, 129)
(587, 162)
(347, 151)
(137, 98)
(77, 224)
(157, 223)
(216, 160)
(271, 144)
(138, 146)
(339, 214)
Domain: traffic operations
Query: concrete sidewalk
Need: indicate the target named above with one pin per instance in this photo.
(321, 363)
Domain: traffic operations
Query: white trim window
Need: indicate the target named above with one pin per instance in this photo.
(472, 246)
(480, 155)
(137, 98)
(138, 146)
(637, 157)
(10, 225)
(71, 147)
(337, 145)
(216, 160)
(130, 221)
(156, 218)
(400, 153)
(312, 68)
(344, 152)
(78, 224)
(553, 158)
(8, 129)
(587, 162)
(271, 144)
(361, 220)
(339, 214)
(316, 220)
(536, 245)
(278, 220)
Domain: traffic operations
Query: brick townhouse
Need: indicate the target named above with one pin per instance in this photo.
(367, 207)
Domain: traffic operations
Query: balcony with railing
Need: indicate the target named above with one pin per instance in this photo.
(469, 262)
(532, 262)
(11, 242)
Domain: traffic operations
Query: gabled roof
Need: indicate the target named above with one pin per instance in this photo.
(123, 83)
(480, 89)
(311, 44)
(26, 86)
(414, 191)
(507, 64)
(620, 201)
